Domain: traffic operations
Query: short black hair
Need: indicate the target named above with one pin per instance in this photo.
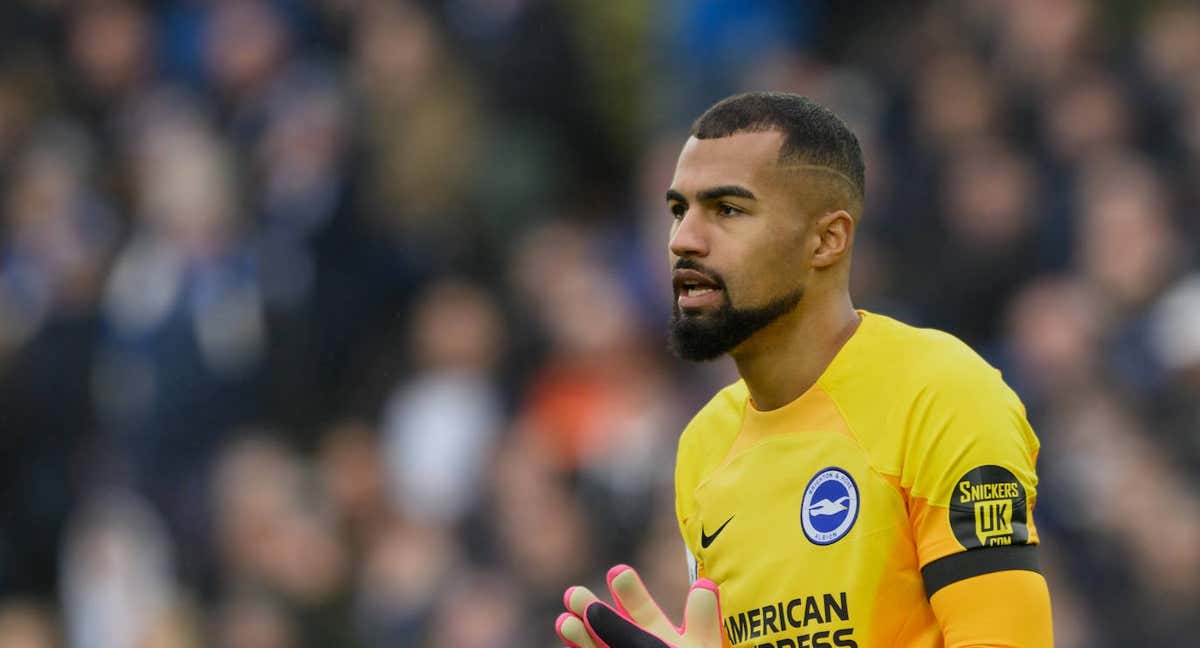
(812, 133)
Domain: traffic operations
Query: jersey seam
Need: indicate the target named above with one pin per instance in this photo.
(858, 441)
(729, 459)
(885, 476)
(912, 615)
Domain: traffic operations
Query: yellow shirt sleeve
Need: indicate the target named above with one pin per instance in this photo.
(1008, 609)
(969, 464)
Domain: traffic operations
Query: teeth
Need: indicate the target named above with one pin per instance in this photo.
(692, 292)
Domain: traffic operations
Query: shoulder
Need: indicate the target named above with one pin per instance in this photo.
(910, 392)
(927, 353)
(730, 402)
(956, 405)
(712, 431)
(719, 420)
(914, 361)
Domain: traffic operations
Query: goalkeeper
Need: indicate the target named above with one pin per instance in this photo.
(865, 483)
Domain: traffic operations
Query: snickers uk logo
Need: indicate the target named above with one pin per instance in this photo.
(988, 509)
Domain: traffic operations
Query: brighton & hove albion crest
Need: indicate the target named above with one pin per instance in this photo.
(830, 506)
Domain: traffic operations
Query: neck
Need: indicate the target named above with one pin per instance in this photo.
(784, 359)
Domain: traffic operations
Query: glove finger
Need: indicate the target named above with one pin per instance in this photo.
(612, 629)
(634, 601)
(572, 630)
(577, 598)
(702, 615)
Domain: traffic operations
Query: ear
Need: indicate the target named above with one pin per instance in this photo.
(834, 232)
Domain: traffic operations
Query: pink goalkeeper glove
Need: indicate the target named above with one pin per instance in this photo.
(638, 621)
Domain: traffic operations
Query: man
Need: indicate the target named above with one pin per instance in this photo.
(865, 483)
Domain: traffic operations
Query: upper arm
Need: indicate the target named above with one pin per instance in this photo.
(970, 478)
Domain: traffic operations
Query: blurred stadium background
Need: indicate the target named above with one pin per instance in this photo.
(341, 323)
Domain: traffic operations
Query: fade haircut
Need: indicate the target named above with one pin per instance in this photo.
(813, 137)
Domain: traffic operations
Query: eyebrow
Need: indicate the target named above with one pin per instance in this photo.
(714, 193)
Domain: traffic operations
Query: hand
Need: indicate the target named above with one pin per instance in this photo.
(638, 621)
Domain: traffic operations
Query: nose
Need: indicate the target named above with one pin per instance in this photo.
(688, 237)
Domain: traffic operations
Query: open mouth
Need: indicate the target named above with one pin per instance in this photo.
(694, 288)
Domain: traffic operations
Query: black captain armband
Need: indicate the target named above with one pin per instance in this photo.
(989, 516)
(977, 562)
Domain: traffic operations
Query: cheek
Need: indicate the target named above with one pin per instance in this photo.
(761, 279)
(778, 267)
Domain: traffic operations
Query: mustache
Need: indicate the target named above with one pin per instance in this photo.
(688, 264)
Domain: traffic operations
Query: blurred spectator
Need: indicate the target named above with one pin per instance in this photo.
(301, 168)
(956, 101)
(24, 624)
(1087, 116)
(405, 570)
(178, 627)
(247, 620)
(117, 573)
(538, 529)
(421, 118)
(1169, 48)
(1176, 339)
(598, 378)
(274, 539)
(988, 244)
(1041, 42)
(59, 234)
(548, 130)
(355, 480)
(482, 609)
(111, 46)
(245, 44)
(1057, 328)
(299, 159)
(1128, 245)
(1104, 455)
(183, 316)
(439, 429)
(58, 237)
(27, 95)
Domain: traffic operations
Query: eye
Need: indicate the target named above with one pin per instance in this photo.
(678, 210)
(725, 209)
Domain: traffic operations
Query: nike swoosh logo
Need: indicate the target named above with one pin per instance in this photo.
(706, 540)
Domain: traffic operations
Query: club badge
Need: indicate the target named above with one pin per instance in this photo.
(830, 506)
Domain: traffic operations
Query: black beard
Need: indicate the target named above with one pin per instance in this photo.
(707, 337)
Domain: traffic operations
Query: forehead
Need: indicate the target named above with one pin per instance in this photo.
(746, 159)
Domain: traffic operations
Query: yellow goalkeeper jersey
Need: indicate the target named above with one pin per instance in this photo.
(830, 521)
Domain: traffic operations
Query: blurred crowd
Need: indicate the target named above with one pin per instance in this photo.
(342, 322)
